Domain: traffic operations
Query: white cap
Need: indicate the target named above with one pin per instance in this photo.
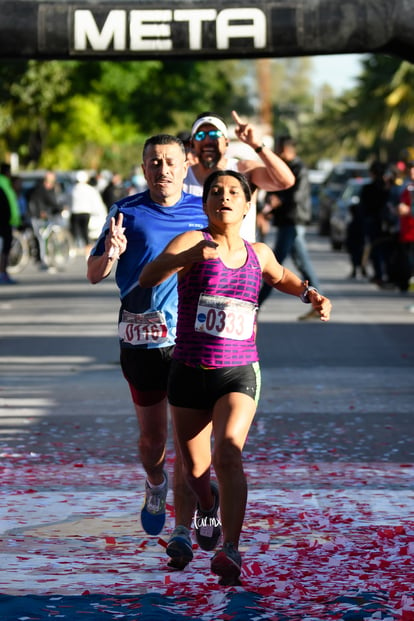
(210, 120)
(82, 176)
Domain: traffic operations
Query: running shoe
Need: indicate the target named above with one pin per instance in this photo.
(207, 524)
(153, 511)
(179, 548)
(6, 280)
(226, 563)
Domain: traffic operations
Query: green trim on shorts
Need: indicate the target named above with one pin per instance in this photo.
(256, 368)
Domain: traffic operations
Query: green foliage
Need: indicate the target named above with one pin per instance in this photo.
(175, 92)
(97, 114)
(373, 120)
(66, 114)
(41, 86)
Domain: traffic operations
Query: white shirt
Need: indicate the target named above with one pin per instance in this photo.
(86, 199)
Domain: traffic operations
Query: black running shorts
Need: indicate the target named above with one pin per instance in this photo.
(199, 388)
(146, 371)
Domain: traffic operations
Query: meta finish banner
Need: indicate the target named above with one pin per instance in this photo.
(204, 29)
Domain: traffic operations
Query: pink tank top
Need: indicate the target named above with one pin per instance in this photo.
(217, 313)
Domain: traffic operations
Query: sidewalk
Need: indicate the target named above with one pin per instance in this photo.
(329, 530)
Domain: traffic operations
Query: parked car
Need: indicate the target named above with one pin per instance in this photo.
(340, 211)
(333, 186)
(316, 178)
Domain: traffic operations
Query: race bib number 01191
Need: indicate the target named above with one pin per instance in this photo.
(227, 318)
(140, 329)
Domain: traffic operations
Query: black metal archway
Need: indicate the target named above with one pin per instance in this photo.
(92, 29)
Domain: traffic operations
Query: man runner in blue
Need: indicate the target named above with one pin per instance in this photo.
(137, 229)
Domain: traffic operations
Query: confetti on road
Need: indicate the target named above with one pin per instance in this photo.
(330, 541)
(329, 530)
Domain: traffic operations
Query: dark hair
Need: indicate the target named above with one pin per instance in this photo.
(185, 136)
(226, 173)
(377, 169)
(285, 140)
(163, 139)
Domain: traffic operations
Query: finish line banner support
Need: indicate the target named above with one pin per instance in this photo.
(204, 30)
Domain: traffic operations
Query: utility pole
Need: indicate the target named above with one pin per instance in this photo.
(264, 82)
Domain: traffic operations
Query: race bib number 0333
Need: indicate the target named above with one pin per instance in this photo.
(140, 329)
(227, 318)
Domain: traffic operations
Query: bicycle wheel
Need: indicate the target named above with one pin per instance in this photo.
(58, 248)
(19, 253)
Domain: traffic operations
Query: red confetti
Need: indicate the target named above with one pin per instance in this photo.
(110, 540)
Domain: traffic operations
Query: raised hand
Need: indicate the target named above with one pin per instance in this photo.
(116, 241)
(245, 131)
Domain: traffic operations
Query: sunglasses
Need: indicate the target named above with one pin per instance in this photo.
(215, 134)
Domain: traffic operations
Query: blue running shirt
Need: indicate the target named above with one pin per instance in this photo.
(149, 227)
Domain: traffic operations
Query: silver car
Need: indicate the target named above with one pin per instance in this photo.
(334, 185)
(341, 212)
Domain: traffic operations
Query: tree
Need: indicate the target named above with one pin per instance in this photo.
(375, 119)
(98, 113)
(34, 97)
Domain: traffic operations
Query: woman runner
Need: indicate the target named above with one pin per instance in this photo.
(214, 382)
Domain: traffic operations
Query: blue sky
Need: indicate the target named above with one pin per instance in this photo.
(339, 70)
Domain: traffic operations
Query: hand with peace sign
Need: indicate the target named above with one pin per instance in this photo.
(115, 243)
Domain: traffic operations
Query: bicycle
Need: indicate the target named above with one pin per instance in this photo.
(59, 246)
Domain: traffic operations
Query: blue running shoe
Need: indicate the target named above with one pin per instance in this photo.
(180, 548)
(153, 511)
(6, 280)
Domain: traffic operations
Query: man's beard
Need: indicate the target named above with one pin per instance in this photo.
(211, 163)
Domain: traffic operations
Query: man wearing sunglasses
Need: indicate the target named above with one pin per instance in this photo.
(209, 135)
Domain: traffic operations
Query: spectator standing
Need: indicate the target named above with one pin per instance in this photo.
(406, 235)
(292, 212)
(9, 218)
(393, 252)
(355, 240)
(210, 141)
(85, 201)
(395, 185)
(114, 191)
(17, 184)
(374, 199)
(43, 205)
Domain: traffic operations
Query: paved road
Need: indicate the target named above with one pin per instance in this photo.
(333, 437)
(59, 352)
